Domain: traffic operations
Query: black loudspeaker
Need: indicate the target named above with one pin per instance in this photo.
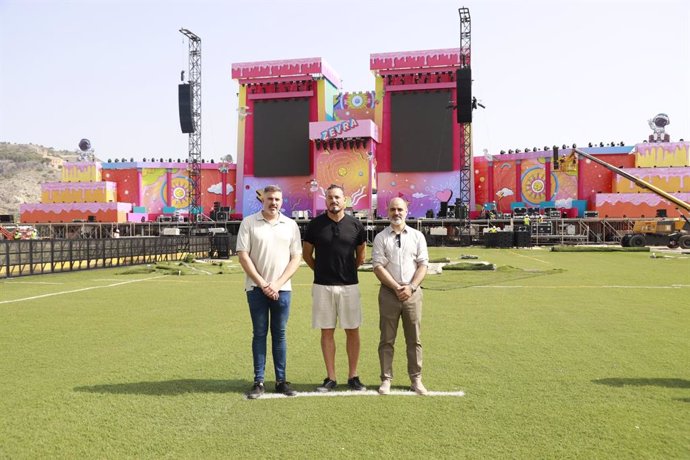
(91, 219)
(661, 213)
(591, 214)
(443, 212)
(6, 218)
(463, 94)
(185, 101)
(430, 213)
(221, 216)
(555, 157)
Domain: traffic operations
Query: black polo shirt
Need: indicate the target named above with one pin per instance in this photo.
(335, 246)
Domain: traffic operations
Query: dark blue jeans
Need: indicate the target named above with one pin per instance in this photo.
(264, 310)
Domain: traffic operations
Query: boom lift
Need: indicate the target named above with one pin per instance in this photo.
(656, 232)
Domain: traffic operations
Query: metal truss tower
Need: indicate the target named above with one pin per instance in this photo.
(466, 152)
(194, 159)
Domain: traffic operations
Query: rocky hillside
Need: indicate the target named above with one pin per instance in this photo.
(23, 168)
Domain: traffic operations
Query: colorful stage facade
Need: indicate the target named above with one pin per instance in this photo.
(297, 129)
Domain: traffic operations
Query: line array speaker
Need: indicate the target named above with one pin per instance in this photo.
(185, 102)
(463, 94)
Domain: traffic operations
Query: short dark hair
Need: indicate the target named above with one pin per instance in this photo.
(272, 188)
(332, 186)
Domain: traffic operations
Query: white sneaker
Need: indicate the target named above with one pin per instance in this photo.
(385, 387)
(418, 387)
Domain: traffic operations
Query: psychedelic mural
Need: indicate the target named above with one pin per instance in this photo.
(422, 191)
(153, 181)
(297, 194)
(481, 181)
(349, 168)
(504, 184)
(359, 105)
(533, 181)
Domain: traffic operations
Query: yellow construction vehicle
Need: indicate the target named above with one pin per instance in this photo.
(674, 233)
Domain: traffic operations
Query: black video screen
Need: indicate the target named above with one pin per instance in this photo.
(281, 137)
(421, 131)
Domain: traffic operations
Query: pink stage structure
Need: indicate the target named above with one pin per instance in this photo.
(128, 192)
(298, 130)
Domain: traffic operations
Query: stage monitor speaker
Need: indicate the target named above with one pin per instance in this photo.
(185, 102)
(591, 214)
(463, 94)
(443, 212)
(460, 211)
(661, 213)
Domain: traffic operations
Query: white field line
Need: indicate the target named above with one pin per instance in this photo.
(79, 290)
(528, 257)
(572, 286)
(311, 394)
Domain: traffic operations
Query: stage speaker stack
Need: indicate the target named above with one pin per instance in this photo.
(443, 212)
(499, 240)
(221, 216)
(522, 239)
(463, 94)
(542, 228)
(185, 105)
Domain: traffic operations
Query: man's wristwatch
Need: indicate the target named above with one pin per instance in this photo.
(413, 287)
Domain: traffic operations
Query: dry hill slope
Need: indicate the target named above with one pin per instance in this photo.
(23, 168)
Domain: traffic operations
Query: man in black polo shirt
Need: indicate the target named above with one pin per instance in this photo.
(334, 246)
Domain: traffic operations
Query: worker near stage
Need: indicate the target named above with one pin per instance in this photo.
(400, 259)
(17, 235)
(269, 249)
(334, 246)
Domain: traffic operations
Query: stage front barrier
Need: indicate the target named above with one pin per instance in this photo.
(31, 257)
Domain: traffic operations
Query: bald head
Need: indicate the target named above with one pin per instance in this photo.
(397, 211)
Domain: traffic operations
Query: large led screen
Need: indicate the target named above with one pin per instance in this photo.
(421, 131)
(281, 137)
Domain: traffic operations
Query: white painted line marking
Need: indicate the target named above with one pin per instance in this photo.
(79, 290)
(309, 394)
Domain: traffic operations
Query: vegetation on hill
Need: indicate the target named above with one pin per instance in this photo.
(23, 168)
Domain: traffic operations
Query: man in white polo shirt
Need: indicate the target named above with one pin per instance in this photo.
(269, 248)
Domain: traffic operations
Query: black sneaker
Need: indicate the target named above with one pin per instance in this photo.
(256, 391)
(355, 384)
(327, 386)
(284, 388)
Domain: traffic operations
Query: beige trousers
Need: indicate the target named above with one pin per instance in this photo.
(390, 311)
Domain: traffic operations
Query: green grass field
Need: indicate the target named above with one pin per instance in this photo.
(560, 355)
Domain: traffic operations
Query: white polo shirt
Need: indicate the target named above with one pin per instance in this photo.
(269, 245)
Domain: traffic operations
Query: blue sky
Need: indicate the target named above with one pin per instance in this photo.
(549, 72)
